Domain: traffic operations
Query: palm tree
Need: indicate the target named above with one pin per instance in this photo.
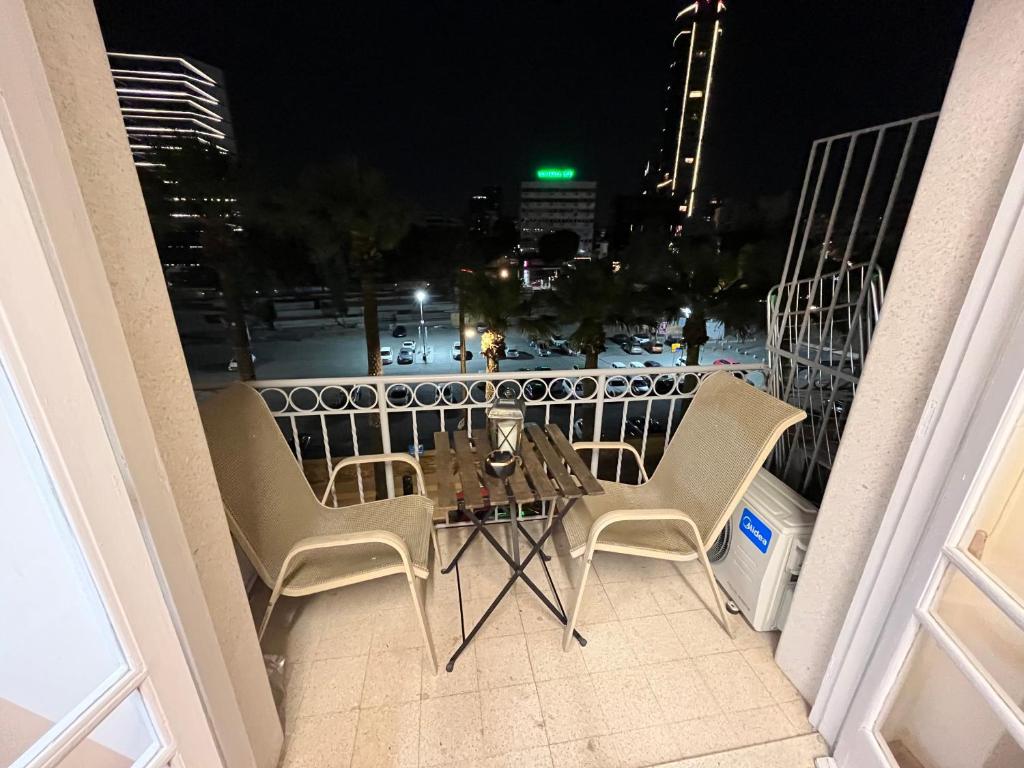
(203, 182)
(344, 209)
(705, 284)
(499, 304)
(590, 295)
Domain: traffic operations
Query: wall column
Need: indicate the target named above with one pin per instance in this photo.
(977, 140)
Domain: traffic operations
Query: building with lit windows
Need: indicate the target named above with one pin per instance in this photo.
(675, 171)
(556, 201)
(166, 100)
(168, 103)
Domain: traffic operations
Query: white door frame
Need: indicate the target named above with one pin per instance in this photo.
(978, 376)
(45, 183)
(43, 363)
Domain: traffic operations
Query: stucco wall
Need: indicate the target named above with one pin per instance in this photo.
(71, 46)
(977, 140)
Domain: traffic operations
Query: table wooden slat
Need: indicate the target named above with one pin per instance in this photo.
(535, 473)
(471, 495)
(447, 501)
(577, 466)
(555, 466)
(495, 488)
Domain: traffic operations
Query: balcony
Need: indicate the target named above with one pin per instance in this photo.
(658, 683)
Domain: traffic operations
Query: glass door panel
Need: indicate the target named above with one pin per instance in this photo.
(938, 719)
(59, 651)
(125, 738)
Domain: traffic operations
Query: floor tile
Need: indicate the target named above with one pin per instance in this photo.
(512, 719)
(607, 647)
(631, 600)
(538, 757)
(700, 633)
(397, 629)
(333, 685)
(392, 677)
(756, 726)
(596, 608)
(571, 709)
(681, 691)
(388, 737)
(647, 746)
(547, 658)
(348, 636)
(296, 677)
(626, 699)
(762, 661)
(502, 661)
(799, 752)
(746, 638)
(450, 729)
(674, 594)
(653, 640)
(612, 568)
(462, 678)
(504, 619)
(732, 682)
(595, 752)
(706, 735)
(796, 712)
(483, 582)
(321, 741)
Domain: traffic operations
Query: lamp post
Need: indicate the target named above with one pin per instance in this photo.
(421, 296)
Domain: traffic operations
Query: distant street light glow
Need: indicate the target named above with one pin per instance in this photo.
(421, 295)
(503, 273)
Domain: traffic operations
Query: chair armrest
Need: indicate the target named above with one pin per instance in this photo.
(330, 541)
(621, 515)
(374, 458)
(616, 446)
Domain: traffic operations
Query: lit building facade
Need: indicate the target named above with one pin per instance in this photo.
(696, 45)
(166, 100)
(169, 103)
(555, 201)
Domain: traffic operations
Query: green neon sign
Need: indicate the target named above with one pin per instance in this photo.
(556, 174)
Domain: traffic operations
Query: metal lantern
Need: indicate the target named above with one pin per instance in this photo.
(505, 424)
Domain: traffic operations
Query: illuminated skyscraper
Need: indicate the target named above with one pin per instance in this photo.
(166, 100)
(696, 42)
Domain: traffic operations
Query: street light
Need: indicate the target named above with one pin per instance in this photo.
(421, 296)
(503, 273)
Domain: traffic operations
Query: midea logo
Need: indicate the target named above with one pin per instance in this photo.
(748, 526)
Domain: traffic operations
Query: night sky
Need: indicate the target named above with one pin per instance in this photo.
(448, 96)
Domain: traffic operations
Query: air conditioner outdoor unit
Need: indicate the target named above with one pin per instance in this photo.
(758, 556)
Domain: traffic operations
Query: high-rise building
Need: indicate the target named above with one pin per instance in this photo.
(555, 201)
(484, 210)
(170, 103)
(167, 100)
(676, 169)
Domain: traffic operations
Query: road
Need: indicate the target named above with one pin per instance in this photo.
(335, 352)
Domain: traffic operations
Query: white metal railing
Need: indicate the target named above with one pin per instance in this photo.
(331, 418)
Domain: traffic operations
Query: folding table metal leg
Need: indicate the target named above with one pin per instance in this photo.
(465, 545)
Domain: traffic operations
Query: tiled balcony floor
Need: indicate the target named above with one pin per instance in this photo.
(659, 681)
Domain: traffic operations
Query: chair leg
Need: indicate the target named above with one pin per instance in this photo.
(571, 624)
(421, 613)
(266, 615)
(719, 602)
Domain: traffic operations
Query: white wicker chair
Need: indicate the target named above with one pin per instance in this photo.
(298, 545)
(723, 439)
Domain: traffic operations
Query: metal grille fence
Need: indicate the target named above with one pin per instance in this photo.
(857, 192)
(328, 419)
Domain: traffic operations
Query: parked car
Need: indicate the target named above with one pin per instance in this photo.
(619, 339)
(636, 364)
(405, 356)
(400, 395)
(654, 347)
(386, 356)
(542, 368)
(618, 364)
(399, 332)
(481, 328)
(725, 361)
(512, 353)
(233, 365)
(652, 364)
(632, 348)
(409, 344)
(640, 386)
(640, 338)
(635, 426)
(457, 352)
(616, 386)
